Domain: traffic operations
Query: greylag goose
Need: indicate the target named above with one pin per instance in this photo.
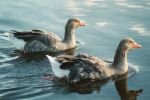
(41, 41)
(84, 66)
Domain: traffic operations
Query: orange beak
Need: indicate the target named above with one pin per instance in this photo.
(82, 24)
(136, 45)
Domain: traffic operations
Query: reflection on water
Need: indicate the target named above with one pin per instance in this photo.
(124, 92)
(73, 7)
(101, 24)
(140, 29)
(108, 22)
(90, 3)
(87, 87)
(25, 79)
(129, 5)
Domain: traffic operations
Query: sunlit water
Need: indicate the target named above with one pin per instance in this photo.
(108, 22)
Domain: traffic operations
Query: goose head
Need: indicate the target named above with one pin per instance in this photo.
(73, 23)
(125, 45)
(70, 27)
(128, 44)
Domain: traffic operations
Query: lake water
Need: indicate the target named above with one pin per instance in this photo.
(108, 21)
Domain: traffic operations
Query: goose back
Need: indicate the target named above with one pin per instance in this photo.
(83, 67)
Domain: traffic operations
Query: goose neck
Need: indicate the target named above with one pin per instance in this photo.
(120, 57)
(69, 37)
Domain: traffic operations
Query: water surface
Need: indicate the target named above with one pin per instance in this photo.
(108, 22)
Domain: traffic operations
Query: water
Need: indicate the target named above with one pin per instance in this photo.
(108, 22)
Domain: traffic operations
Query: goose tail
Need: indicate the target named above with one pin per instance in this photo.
(58, 72)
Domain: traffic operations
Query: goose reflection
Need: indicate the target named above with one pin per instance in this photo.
(124, 92)
(86, 87)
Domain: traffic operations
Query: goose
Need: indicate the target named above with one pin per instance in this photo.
(42, 41)
(84, 66)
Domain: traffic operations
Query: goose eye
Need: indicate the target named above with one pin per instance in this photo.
(130, 42)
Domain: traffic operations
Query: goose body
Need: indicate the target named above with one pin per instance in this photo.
(42, 41)
(84, 66)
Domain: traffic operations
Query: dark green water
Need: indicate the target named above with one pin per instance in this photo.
(108, 22)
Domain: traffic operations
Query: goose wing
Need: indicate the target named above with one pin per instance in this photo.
(33, 34)
(42, 43)
(84, 67)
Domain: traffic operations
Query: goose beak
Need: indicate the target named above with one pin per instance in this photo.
(136, 45)
(82, 24)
